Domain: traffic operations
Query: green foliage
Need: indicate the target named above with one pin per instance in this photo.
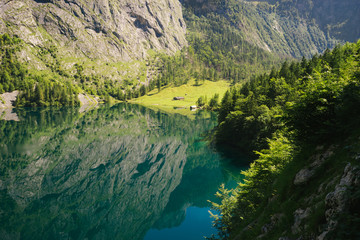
(304, 103)
(202, 101)
(240, 204)
(228, 199)
(12, 73)
(47, 93)
(36, 89)
(221, 51)
(217, 50)
(214, 102)
(310, 97)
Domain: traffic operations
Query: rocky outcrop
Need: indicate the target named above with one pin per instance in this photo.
(299, 216)
(324, 199)
(98, 29)
(6, 104)
(336, 18)
(305, 174)
(7, 99)
(339, 201)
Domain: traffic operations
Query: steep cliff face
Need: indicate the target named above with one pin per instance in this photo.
(98, 29)
(288, 27)
(265, 25)
(337, 18)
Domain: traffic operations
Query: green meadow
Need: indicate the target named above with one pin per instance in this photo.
(164, 99)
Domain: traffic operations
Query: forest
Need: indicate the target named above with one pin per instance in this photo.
(283, 116)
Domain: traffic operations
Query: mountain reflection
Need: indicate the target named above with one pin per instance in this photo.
(111, 173)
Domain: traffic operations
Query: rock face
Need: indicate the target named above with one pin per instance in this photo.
(305, 174)
(336, 18)
(339, 201)
(99, 29)
(7, 99)
(325, 198)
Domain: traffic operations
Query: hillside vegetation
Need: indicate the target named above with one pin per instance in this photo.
(37, 89)
(304, 121)
(124, 50)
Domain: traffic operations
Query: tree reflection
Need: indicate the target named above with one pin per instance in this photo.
(111, 173)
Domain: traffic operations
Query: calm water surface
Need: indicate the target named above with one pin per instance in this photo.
(121, 172)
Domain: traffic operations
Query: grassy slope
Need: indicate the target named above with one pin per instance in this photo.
(164, 99)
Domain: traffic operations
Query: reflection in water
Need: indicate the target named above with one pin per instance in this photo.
(8, 114)
(110, 173)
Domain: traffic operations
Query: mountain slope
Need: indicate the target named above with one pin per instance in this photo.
(336, 18)
(289, 27)
(125, 48)
(105, 29)
(101, 47)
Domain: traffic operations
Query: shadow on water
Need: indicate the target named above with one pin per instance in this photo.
(111, 173)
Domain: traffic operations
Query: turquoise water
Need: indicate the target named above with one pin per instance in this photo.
(121, 172)
(195, 226)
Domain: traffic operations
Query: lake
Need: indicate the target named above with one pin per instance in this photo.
(121, 172)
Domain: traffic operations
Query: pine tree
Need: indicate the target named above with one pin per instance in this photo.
(39, 95)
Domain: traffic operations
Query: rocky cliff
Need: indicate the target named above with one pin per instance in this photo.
(99, 29)
(337, 18)
(290, 27)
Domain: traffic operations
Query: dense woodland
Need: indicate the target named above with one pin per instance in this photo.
(264, 104)
(282, 115)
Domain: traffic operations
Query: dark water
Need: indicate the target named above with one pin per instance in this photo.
(121, 172)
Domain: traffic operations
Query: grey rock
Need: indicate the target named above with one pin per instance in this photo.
(299, 216)
(99, 29)
(7, 99)
(305, 174)
(337, 201)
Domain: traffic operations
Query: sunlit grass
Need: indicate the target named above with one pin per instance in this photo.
(164, 99)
